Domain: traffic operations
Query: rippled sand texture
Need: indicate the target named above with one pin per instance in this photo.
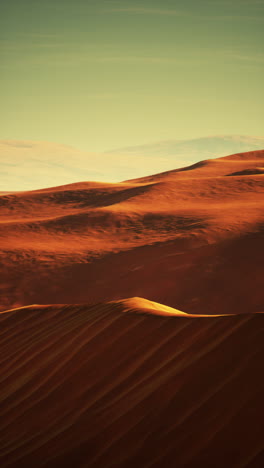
(130, 384)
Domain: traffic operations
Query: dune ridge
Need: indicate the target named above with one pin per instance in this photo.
(133, 304)
(115, 384)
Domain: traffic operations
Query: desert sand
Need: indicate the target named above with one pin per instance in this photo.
(190, 238)
(130, 384)
(131, 323)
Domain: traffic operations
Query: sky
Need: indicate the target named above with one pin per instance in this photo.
(104, 74)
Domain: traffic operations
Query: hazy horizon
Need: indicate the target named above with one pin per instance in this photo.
(118, 74)
(29, 165)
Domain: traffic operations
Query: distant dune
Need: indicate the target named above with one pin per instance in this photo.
(196, 149)
(28, 165)
(190, 238)
(111, 385)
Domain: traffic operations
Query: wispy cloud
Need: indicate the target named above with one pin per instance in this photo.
(102, 96)
(147, 11)
(233, 17)
(237, 2)
(184, 57)
(7, 47)
(27, 42)
(173, 12)
(198, 59)
(135, 58)
(256, 59)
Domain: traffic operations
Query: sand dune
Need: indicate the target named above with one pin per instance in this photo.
(190, 238)
(124, 384)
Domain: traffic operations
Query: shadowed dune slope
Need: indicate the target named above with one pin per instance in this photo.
(191, 238)
(130, 384)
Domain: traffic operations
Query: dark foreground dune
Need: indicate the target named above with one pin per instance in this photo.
(130, 384)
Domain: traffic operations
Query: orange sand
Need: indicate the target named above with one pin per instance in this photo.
(190, 238)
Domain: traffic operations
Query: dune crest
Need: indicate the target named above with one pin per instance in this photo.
(144, 306)
(132, 304)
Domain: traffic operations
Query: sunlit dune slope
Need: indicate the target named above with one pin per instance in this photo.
(124, 384)
(191, 238)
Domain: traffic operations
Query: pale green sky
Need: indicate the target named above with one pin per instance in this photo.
(103, 74)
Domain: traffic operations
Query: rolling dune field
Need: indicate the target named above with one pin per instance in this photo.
(190, 238)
